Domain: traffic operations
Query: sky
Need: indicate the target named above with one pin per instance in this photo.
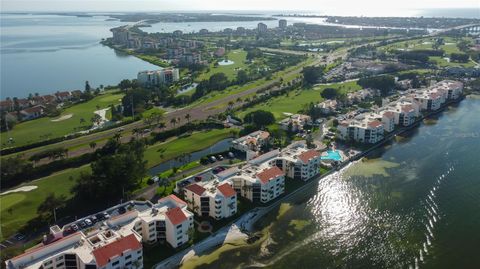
(360, 7)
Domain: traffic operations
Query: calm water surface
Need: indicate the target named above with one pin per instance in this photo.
(46, 53)
(413, 204)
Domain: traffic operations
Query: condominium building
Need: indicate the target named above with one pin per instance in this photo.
(261, 27)
(158, 77)
(114, 242)
(102, 249)
(259, 183)
(298, 162)
(364, 131)
(388, 120)
(252, 143)
(212, 198)
(282, 24)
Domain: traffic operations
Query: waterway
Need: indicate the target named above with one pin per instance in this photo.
(220, 146)
(415, 203)
(46, 53)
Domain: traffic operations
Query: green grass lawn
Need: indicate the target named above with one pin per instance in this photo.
(185, 144)
(24, 205)
(44, 128)
(440, 61)
(296, 100)
(237, 56)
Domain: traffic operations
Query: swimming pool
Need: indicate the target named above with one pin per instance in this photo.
(332, 155)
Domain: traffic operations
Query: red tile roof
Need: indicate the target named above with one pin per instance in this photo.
(104, 254)
(174, 198)
(176, 215)
(374, 124)
(269, 174)
(226, 190)
(195, 188)
(308, 155)
(389, 114)
(35, 109)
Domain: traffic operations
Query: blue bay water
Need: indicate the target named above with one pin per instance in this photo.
(46, 53)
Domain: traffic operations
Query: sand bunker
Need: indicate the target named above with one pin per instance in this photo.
(21, 189)
(64, 117)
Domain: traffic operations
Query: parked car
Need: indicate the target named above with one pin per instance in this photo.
(75, 227)
(197, 178)
(231, 155)
(106, 215)
(94, 219)
(19, 237)
(220, 157)
(213, 159)
(121, 210)
(82, 224)
(88, 222)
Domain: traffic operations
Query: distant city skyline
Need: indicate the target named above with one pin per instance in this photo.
(340, 7)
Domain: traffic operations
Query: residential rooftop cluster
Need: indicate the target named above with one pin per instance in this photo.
(112, 238)
(34, 107)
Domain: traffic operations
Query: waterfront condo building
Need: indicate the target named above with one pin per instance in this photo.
(158, 77)
(298, 162)
(282, 24)
(212, 198)
(262, 27)
(260, 183)
(364, 131)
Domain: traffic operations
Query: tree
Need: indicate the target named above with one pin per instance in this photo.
(242, 77)
(260, 118)
(113, 175)
(96, 119)
(124, 85)
(384, 83)
(187, 117)
(88, 89)
(311, 74)
(135, 101)
(173, 122)
(93, 145)
(50, 204)
(329, 93)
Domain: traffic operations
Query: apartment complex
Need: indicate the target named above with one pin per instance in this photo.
(114, 241)
(213, 198)
(252, 143)
(370, 127)
(158, 77)
(365, 130)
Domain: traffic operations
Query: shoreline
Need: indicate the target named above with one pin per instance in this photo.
(246, 222)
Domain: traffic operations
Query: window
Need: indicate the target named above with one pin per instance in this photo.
(179, 238)
(139, 252)
(115, 263)
(179, 226)
(48, 263)
(128, 257)
(60, 264)
(128, 263)
(59, 258)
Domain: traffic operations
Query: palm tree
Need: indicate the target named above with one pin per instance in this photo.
(82, 120)
(173, 121)
(187, 117)
(162, 125)
(93, 145)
